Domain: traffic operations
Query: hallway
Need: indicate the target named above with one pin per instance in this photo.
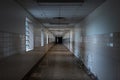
(58, 64)
(31, 32)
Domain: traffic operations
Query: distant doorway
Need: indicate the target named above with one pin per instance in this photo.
(58, 40)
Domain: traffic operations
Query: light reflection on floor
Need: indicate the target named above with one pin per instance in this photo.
(59, 64)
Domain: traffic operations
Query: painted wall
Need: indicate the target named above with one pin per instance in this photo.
(104, 19)
(100, 48)
(42, 36)
(12, 17)
(51, 38)
(77, 41)
(66, 40)
(11, 43)
(37, 37)
(12, 28)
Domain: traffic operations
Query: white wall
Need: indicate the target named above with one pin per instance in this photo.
(51, 38)
(66, 40)
(77, 40)
(104, 19)
(37, 37)
(42, 36)
(99, 58)
(12, 27)
(12, 17)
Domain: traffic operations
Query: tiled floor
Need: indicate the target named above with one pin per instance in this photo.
(59, 64)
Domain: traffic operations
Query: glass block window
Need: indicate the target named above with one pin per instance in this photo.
(29, 35)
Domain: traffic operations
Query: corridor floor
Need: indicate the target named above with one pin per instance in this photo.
(58, 64)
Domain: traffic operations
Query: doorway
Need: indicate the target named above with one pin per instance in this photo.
(58, 40)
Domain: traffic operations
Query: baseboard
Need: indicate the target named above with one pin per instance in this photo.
(82, 66)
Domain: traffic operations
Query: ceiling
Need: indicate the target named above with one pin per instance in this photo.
(60, 15)
(59, 31)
